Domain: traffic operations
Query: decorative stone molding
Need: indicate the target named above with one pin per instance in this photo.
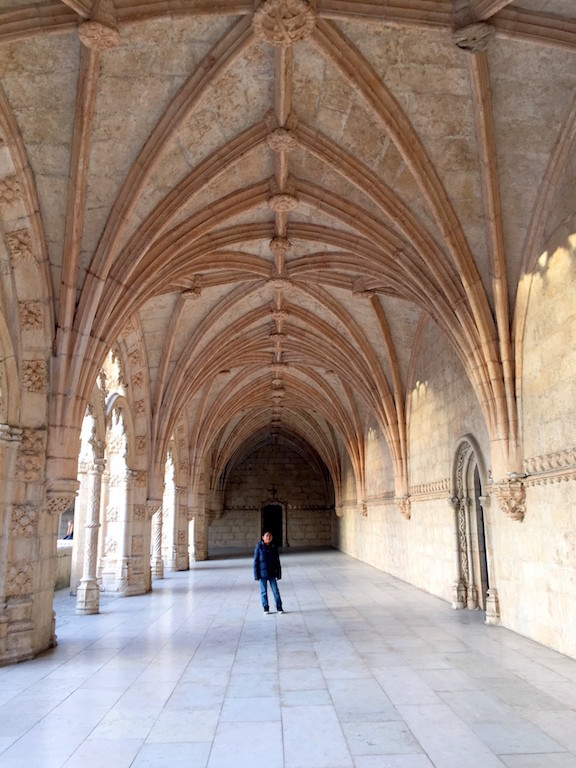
(9, 190)
(473, 38)
(10, 434)
(511, 496)
(364, 509)
(20, 245)
(34, 374)
(434, 490)
(137, 380)
(281, 140)
(551, 468)
(283, 202)
(283, 22)
(139, 512)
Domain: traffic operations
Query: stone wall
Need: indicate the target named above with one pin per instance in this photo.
(274, 476)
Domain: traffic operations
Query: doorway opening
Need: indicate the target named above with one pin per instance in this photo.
(272, 520)
(472, 584)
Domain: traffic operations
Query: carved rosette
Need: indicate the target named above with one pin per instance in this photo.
(511, 495)
(283, 22)
(473, 38)
(283, 202)
(98, 36)
(281, 140)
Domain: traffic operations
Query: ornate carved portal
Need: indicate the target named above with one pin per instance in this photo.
(472, 588)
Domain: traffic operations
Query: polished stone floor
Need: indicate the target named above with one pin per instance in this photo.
(362, 671)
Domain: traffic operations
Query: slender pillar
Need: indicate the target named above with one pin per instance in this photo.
(156, 561)
(88, 593)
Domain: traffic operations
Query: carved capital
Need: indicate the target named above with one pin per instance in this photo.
(405, 506)
(511, 496)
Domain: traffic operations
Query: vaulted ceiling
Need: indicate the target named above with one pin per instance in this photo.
(278, 195)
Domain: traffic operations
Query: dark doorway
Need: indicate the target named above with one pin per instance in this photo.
(272, 521)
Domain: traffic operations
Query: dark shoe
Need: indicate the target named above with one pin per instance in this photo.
(280, 610)
(266, 610)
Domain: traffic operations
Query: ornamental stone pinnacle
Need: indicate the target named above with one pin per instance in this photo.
(283, 22)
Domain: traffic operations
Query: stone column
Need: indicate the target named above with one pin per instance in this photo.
(181, 562)
(88, 593)
(472, 592)
(459, 587)
(10, 438)
(156, 561)
(125, 538)
(201, 534)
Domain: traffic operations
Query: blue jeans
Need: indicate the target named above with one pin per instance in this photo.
(264, 592)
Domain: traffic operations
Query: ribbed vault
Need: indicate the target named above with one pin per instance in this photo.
(274, 198)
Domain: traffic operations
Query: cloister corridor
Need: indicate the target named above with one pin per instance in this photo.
(362, 671)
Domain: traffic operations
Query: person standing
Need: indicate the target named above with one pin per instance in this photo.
(267, 569)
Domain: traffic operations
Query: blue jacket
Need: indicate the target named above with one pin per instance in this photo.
(267, 562)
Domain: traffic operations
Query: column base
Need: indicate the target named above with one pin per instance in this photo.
(88, 597)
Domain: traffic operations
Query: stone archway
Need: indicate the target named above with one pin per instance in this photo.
(472, 585)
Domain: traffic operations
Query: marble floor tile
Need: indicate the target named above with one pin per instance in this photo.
(362, 672)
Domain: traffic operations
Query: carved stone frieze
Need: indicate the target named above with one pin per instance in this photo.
(284, 22)
(435, 489)
(139, 512)
(140, 478)
(110, 545)
(551, 468)
(137, 545)
(112, 514)
(140, 407)
(34, 374)
(137, 380)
